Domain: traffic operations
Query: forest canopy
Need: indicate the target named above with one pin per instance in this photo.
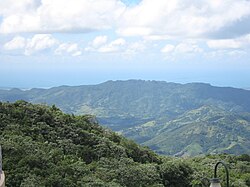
(42, 146)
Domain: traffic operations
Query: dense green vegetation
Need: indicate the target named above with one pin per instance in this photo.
(201, 131)
(43, 146)
(172, 119)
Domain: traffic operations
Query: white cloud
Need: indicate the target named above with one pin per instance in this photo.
(113, 46)
(19, 16)
(17, 42)
(10, 7)
(152, 19)
(48, 16)
(157, 37)
(135, 47)
(39, 42)
(99, 40)
(96, 43)
(175, 18)
(237, 53)
(222, 44)
(222, 25)
(101, 44)
(69, 48)
(236, 43)
(223, 53)
(168, 48)
(77, 53)
(183, 47)
(188, 48)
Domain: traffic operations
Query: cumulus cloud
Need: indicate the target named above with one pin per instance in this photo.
(222, 44)
(236, 43)
(17, 42)
(152, 19)
(175, 18)
(47, 16)
(222, 25)
(99, 40)
(157, 37)
(99, 44)
(19, 16)
(135, 47)
(96, 43)
(68, 48)
(188, 48)
(113, 46)
(39, 42)
(168, 48)
(183, 47)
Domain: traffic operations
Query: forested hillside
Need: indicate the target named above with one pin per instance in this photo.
(206, 130)
(172, 119)
(42, 146)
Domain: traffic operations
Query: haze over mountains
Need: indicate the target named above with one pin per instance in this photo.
(173, 119)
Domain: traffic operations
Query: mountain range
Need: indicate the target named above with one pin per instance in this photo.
(172, 119)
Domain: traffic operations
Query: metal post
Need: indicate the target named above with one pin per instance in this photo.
(226, 168)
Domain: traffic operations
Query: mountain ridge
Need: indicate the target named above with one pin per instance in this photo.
(143, 110)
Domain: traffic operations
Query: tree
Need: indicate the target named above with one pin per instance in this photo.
(176, 174)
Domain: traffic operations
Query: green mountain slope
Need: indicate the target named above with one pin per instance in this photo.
(204, 130)
(174, 119)
(44, 147)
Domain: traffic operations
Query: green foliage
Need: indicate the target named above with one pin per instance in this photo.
(239, 171)
(44, 147)
(128, 173)
(176, 174)
(244, 157)
(206, 130)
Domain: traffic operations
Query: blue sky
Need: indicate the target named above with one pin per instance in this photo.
(46, 43)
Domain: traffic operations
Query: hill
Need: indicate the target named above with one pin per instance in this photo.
(170, 118)
(201, 131)
(45, 147)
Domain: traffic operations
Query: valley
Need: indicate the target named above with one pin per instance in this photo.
(170, 118)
